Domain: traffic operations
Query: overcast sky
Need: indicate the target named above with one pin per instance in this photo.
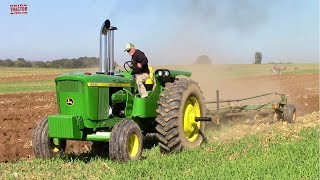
(169, 32)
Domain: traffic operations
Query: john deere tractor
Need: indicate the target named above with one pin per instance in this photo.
(105, 108)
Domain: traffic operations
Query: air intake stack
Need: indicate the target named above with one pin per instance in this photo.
(107, 48)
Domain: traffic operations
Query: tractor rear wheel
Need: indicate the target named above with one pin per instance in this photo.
(179, 104)
(289, 114)
(126, 141)
(42, 145)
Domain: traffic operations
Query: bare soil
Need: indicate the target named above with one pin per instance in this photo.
(21, 111)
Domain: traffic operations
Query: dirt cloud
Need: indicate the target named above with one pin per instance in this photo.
(189, 28)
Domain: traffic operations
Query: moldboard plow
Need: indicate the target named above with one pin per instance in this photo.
(278, 108)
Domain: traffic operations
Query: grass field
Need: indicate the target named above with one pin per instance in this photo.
(212, 71)
(13, 72)
(13, 87)
(254, 157)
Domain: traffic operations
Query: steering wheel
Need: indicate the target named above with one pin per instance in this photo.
(129, 64)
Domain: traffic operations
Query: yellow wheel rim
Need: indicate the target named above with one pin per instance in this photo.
(191, 127)
(133, 145)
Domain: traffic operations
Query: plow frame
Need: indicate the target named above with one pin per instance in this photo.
(275, 106)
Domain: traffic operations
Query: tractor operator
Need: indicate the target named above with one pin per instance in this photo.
(140, 68)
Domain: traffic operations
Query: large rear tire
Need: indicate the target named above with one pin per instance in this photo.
(42, 145)
(179, 104)
(126, 141)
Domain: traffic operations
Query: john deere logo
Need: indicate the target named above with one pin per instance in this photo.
(70, 101)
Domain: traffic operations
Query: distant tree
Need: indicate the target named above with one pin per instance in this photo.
(203, 59)
(67, 63)
(7, 63)
(78, 63)
(48, 64)
(257, 58)
(21, 62)
(81, 62)
(56, 63)
(39, 64)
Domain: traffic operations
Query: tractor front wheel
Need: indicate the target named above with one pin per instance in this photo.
(42, 145)
(126, 141)
(180, 103)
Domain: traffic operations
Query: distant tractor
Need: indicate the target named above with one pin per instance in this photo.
(104, 107)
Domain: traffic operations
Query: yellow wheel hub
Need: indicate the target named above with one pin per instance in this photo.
(55, 145)
(133, 145)
(191, 127)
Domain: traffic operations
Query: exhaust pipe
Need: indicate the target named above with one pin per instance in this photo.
(107, 48)
(110, 66)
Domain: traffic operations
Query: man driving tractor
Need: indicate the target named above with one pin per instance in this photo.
(140, 67)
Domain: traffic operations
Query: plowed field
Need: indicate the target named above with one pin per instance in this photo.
(21, 111)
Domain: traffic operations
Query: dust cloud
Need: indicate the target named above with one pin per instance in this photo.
(187, 29)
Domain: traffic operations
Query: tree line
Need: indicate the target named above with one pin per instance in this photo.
(81, 62)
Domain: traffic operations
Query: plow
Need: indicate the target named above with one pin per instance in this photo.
(105, 108)
(278, 108)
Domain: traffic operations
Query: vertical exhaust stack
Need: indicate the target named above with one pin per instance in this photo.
(107, 48)
(103, 46)
(110, 65)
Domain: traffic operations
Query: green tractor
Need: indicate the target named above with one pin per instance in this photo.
(104, 108)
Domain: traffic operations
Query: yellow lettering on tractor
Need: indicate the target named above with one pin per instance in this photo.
(109, 84)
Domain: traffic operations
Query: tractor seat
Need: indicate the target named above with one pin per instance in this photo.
(149, 82)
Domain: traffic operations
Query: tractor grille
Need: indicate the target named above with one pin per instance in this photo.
(70, 86)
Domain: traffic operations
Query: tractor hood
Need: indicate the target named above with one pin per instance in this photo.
(88, 95)
(99, 80)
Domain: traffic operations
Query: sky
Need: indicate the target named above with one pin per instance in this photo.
(167, 31)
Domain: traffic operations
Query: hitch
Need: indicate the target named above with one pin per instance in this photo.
(202, 119)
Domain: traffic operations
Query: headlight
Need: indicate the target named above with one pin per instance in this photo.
(166, 73)
(160, 73)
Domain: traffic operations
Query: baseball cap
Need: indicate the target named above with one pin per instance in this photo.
(129, 46)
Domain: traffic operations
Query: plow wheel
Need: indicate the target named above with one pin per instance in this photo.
(126, 141)
(289, 114)
(42, 145)
(179, 104)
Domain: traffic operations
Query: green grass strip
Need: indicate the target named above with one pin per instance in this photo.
(253, 157)
(14, 71)
(30, 86)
